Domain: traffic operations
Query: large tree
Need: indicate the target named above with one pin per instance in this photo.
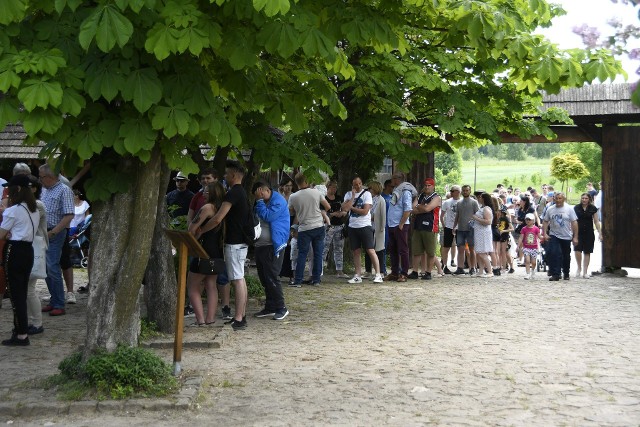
(137, 85)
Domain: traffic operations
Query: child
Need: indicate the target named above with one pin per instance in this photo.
(528, 243)
(505, 228)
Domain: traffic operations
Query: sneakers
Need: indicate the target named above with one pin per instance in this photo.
(378, 279)
(566, 277)
(586, 276)
(496, 272)
(47, 308)
(57, 312)
(45, 299)
(16, 342)
(511, 270)
(453, 264)
(426, 276)
(355, 279)
(578, 274)
(472, 272)
(264, 313)
(554, 278)
(446, 270)
(341, 275)
(239, 325)
(391, 277)
(294, 284)
(226, 313)
(365, 275)
(281, 314)
(32, 330)
(459, 271)
(413, 275)
(188, 311)
(70, 298)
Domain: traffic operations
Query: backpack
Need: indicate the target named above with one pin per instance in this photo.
(251, 229)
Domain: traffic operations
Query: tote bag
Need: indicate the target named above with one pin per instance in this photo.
(39, 270)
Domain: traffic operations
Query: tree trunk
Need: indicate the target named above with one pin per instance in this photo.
(122, 233)
(160, 284)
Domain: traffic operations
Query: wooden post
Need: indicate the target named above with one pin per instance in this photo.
(186, 245)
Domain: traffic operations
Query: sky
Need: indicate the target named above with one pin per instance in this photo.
(594, 13)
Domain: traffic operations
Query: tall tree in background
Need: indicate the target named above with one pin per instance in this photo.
(136, 85)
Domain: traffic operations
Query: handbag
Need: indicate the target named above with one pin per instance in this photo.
(211, 266)
(39, 270)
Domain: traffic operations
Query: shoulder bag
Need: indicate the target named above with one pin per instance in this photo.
(345, 229)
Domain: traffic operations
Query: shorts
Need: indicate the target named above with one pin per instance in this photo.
(65, 256)
(463, 237)
(586, 242)
(361, 237)
(531, 252)
(504, 237)
(495, 234)
(448, 238)
(423, 241)
(234, 257)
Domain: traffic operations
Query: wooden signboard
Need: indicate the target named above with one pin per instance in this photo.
(186, 244)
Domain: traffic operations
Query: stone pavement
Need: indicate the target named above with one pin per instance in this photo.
(452, 351)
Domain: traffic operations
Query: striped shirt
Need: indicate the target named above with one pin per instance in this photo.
(58, 201)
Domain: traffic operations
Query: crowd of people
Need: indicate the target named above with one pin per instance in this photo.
(39, 214)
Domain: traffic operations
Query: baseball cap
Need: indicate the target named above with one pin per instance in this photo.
(530, 216)
(18, 180)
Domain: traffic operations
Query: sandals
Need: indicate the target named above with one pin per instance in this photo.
(200, 325)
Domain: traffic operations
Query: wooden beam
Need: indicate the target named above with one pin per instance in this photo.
(563, 134)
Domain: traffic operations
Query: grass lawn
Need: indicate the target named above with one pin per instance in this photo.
(531, 172)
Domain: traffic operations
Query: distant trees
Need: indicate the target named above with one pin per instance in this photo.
(590, 154)
(567, 166)
(514, 151)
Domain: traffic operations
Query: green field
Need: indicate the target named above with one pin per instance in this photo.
(490, 172)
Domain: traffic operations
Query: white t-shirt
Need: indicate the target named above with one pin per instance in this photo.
(16, 220)
(80, 214)
(306, 205)
(449, 210)
(357, 220)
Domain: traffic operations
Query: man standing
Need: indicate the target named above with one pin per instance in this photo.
(207, 176)
(465, 209)
(235, 212)
(58, 202)
(180, 197)
(305, 205)
(559, 228)
(400, 209)
(448, 218)
(539, 201)
(273, 212)
(425, 227)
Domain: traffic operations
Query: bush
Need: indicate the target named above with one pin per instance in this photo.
(127, 372)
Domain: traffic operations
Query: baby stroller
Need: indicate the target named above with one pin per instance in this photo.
(541, 262)
(79, 242)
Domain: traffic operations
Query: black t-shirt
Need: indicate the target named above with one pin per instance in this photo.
(181, 199)
(237, 215)
(336, 206)
(585, 217)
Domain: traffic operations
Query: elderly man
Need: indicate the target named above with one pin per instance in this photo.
(559, 228)
(399, 212)
(180, 197)
(465, 209)
(58, 201)
(425, 228)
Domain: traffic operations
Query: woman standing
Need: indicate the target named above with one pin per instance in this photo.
(333, 234)
(286, 188)
(482, 235)
(81, 211)
(378, 223)
(587, 217)
(19, 224)
(34, 308)
(211, 241)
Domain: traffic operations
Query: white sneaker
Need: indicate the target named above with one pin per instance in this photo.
(356, 279)
(365, 275)
(70, 298)
(46, 299)
(578, 275)
(378, 279)
(527, 277)
(586, 276)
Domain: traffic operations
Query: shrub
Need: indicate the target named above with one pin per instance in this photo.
(127, 372)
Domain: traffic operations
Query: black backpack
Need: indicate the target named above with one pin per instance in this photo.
(251, 229)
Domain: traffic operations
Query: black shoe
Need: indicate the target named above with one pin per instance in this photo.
(413, 275)
(16, 342)
(511, 271)
(472, 271)
(315, 283)
(453, 264)
(446, 270)
(458, 272)
(238, 325)
(566, 277)
(32, 330)
(426, 276)
(265, 313)
(226, 313)
(188, 311)
(281, 314)
(554, 278)
(496, 272)
(83, 289)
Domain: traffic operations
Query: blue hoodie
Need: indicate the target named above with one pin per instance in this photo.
(276, 213)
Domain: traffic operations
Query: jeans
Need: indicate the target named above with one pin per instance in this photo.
(54, 272)
(399, 249)
(559, 256)
(268, 268)
(315, 237)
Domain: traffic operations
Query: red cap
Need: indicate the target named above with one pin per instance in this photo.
(430, 181)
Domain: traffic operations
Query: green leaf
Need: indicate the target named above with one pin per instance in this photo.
(40, 93)
(272, 7)
(8, 79)
(316, 43)
(8, 111)
(172, 120)
(137, 135)
(12, 11)
(72, 102)
(105, 81)
(108, 26)
(144, 88)
(42, 120)
(72, 4)
(161, 41)
(279, 37)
